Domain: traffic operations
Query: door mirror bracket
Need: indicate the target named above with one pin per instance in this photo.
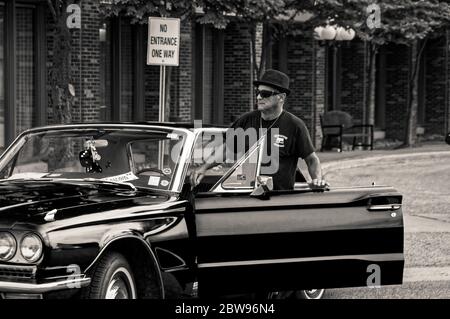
(263, 188)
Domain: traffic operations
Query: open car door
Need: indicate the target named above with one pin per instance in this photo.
(299, 239)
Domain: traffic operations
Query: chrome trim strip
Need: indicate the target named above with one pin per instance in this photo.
(384, 207)
(168, 269)
(184, 161)
(19, 287)
(218, 187)
(260, 156)
(373, 257)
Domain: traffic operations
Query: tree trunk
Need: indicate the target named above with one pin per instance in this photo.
(62, 91)
(410, 138)
(265, 53)
(254, 55)
(370, 119)
(370, 101)
(266, 59)
(60, 72)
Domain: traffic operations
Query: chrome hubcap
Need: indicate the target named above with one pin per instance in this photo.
(314, 293)
(121, 286)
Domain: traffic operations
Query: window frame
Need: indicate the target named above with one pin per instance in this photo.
(257, 147)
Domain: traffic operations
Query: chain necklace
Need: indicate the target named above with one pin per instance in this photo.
(276, 120)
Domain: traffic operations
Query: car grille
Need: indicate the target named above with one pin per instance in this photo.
(19, 273)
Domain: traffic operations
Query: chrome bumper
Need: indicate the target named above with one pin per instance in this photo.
(19, 287)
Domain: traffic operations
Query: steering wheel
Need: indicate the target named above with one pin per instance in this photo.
(151, 169)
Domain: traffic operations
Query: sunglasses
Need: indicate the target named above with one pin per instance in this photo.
(265, 94)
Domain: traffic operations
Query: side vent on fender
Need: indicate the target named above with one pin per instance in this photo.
(169, 260)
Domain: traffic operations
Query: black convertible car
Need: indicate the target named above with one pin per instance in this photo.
(107, 211)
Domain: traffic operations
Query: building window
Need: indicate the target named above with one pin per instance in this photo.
(2, 76)
(126, 96)
(208, 61)
(124, 71)
(105, 72)
(25, 70)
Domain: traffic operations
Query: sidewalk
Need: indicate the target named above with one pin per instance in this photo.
(330, 156)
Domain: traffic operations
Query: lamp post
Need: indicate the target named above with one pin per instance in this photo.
(339, 34)
(334, 33)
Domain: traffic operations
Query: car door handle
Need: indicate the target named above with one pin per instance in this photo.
(384, 207)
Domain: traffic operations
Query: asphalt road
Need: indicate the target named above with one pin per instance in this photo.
(424, 180)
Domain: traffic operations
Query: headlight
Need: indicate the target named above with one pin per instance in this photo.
(31, 247)
(8, 246)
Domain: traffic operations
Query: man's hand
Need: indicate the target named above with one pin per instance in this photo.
(319, 184)
(197, 175)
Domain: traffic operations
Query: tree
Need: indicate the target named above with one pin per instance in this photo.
(412, 23)
(408, 22)
(253, 12)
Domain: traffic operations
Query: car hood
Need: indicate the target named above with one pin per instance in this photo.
(31, 201)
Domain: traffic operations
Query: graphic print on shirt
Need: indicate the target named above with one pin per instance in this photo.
(279, 140)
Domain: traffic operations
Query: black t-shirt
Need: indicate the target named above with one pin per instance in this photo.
(289, 140)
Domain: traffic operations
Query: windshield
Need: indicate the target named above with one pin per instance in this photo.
(143, 158)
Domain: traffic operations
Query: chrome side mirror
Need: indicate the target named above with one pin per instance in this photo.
(447, 138)
(264, 186)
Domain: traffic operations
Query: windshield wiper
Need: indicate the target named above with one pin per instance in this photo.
(99, 181)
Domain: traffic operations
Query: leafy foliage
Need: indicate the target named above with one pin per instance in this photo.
(140, 10)
(215, 12)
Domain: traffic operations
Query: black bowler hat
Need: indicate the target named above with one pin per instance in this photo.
(276, 79)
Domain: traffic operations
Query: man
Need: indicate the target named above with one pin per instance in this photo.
(285, 131)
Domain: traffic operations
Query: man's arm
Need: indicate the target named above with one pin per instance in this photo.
(212, 161)
(315, 171)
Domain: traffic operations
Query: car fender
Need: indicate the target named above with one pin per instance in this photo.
(149, 249)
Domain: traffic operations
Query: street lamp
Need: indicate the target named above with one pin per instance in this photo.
(338, 34)
(331, 32)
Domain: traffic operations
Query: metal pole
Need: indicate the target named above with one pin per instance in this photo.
(162, 93)
(162, 111)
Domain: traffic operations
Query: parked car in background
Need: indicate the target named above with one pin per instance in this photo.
(107, 211)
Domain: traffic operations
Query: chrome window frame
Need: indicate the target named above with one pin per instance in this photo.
(217, 188)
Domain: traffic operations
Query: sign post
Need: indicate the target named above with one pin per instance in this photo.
(163, 49)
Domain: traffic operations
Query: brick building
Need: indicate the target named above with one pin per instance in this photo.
(213, 82)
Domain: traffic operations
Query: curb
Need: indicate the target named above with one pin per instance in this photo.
(342, 164)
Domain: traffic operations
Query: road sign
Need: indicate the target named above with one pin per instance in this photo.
(163, 41)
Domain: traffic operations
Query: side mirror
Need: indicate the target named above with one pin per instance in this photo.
(447, 138)
(265, 185)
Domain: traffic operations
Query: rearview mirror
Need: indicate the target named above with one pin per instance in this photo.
(447, 138)
(264, 186)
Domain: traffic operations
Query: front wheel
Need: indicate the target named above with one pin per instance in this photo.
(111, 278)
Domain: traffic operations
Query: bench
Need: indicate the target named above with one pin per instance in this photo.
(338, 125)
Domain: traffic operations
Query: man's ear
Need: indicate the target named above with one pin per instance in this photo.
(282, 96)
